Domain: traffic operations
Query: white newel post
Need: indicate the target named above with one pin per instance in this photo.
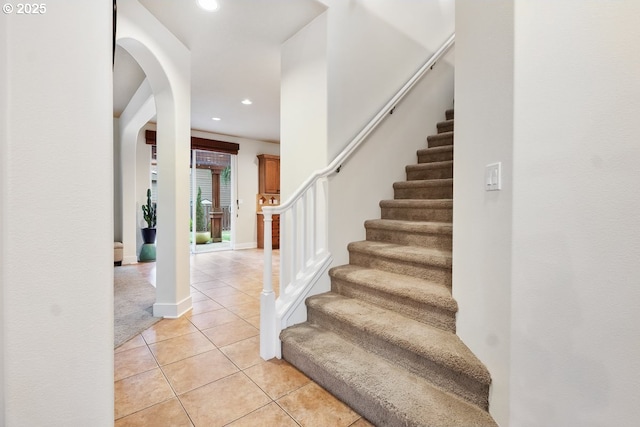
(268, 331)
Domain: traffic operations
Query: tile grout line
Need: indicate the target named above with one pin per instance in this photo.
(240, 370)
(148, 345)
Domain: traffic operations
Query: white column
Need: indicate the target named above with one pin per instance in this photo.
(173, 297)
(166, 62)
(134, 162)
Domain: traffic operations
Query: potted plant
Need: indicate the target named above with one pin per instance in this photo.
(202, 235)
(149, 214)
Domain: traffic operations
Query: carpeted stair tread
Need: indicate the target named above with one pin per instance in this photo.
(423, 183)
(422, 300)
(431, 170)
(418, 203)
(431, 165)
(418, 209)
(418, 227)
(442, 148)
(416, 261)
(441, 188)
(439, 356)
(369, 383)
(408, 254)
(445, 126)
(440, 139)
(413, 297)
(435, 154)
(437, 235)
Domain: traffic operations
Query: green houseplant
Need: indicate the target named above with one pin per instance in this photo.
(149, 214)
(202, 235)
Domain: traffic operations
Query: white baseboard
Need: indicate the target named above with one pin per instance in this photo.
(172, 311)
(250, 245)
(129, 260)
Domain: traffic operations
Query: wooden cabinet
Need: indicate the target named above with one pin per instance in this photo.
(268, 184)
(275, 231)
(268, 174)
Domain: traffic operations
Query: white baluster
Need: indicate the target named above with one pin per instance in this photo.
(314, 226)
(304, 242)
(324, 213)
(284, 251)
(293, 254)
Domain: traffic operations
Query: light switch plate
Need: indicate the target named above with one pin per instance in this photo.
(493, 177)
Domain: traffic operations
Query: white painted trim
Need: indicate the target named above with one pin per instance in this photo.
(234, 199)
(269, 342)
(286, 305)
(249, 245)
(129, 260)
(276, 315)
(172, 311)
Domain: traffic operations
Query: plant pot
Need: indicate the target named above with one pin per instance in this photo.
(149, 235)
(202, 237)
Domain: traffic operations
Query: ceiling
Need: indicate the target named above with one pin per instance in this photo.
(235, 54)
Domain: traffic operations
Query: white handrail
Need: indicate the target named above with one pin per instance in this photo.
(309, 247)
(333, 167)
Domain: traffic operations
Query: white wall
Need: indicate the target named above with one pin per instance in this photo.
(142, 182)
(247, 186)
(303, 128)
(57, 224)
(117, 183)
(576, 214)
(373, 49)
(545, 271)
(343, 67)
(357, 55)
(368, 177)
(133, 169)
(4, 142)
(481, 219)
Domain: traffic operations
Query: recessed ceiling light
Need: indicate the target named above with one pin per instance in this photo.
(247, 102)
(208, 5)
(217, 119)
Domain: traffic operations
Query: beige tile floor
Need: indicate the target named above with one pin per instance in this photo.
(204, 369)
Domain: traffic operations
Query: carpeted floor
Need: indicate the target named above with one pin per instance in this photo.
(133, 300)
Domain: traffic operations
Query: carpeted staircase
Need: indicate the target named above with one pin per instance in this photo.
(383, 340)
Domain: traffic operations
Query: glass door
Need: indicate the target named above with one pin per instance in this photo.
(211, 197)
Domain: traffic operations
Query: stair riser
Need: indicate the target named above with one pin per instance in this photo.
(445, 127)
(422, 270)
(401, 237)
(417, 214)
(429, 314)
(414, 174)
(431, 192)
(428, 156)
(356, 399)
(449, 114)
(453, 382)
(439, 141)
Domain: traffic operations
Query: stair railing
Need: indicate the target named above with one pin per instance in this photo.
(304, 253)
